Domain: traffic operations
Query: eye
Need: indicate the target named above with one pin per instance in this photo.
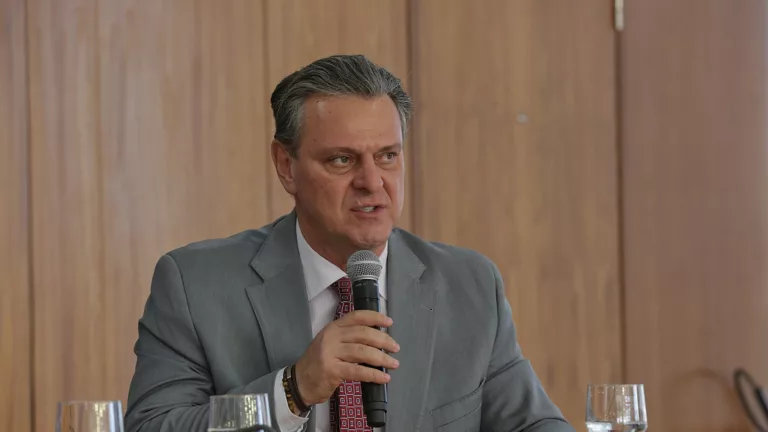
(388, 156)
(340, 161)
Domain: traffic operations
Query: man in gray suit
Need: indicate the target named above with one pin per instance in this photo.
(261, 312)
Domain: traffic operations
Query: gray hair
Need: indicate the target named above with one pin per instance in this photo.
(338, 75)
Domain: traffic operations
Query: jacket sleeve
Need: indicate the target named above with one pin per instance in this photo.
(513, 397)
(172, 384)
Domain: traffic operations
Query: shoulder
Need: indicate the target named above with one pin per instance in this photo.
(451, 259)
(468, 282)
(240, 244)
(225, 253)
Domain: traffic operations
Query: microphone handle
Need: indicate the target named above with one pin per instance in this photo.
(366, 297)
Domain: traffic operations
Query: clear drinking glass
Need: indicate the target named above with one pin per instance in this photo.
(616, 408)
(239, 413)
(89, 416)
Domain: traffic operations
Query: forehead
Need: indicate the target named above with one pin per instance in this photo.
(350, 121)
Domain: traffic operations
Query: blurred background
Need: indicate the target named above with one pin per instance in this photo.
(616, 172)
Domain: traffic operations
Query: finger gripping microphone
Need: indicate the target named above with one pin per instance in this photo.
(363, 269)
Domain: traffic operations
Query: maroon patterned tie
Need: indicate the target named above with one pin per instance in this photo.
(346, 404)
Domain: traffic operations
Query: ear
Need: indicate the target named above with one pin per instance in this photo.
(283, 166)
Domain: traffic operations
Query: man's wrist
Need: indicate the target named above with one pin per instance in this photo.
(293, 396)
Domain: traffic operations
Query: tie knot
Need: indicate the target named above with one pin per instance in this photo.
(343, 287)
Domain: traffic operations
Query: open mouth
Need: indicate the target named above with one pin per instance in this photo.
(367, 209)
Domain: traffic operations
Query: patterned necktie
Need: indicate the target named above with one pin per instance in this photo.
(346, 404)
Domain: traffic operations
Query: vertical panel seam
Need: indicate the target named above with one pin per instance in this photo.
(620, 211)
(29, 220)
(267, 118)
(414, 193)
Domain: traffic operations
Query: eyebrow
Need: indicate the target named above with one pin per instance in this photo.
(344, 149)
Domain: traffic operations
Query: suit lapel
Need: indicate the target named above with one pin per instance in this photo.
(280, 302)
(411, 305)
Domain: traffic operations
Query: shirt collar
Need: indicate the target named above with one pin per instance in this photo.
(319, 273)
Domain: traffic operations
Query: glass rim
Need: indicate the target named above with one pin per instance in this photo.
(89, 402)
(235, 396)
(615, 385)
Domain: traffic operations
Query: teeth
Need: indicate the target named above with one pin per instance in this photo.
(367, 209)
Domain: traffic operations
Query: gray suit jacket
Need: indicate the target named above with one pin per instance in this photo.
(225, 315)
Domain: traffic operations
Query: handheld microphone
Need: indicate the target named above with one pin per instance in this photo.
(363, 269)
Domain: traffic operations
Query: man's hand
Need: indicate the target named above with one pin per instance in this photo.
(335, 352)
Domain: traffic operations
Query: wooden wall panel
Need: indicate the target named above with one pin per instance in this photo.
(15, 317)
(147, 134)
(301, 31)
(515, 138)
(67, 220)
(182, 143)
(695, 190)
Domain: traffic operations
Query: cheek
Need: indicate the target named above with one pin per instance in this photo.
(310, 188)
(325, 192)
(395, 187)
(328, 192)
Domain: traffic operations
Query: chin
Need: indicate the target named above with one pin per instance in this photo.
(371, 240)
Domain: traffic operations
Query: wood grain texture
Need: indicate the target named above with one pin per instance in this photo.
(182, 100)
(515, 135)
(302, 31)
(15, 317)
(695, 191)
(147, 135)
(66, 206)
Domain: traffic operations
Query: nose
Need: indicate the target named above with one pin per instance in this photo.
(368, 177)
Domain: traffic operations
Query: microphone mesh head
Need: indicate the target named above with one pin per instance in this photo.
(363, 264)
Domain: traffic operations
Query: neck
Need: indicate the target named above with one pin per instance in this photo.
(335, 250)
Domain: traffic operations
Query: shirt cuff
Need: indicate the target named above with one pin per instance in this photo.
(286, 419)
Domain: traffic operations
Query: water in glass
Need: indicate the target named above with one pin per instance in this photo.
(615, 427)
(239, 413)
(89, 416)
(616, 408)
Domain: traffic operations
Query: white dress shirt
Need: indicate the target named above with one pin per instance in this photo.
(319, 274)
